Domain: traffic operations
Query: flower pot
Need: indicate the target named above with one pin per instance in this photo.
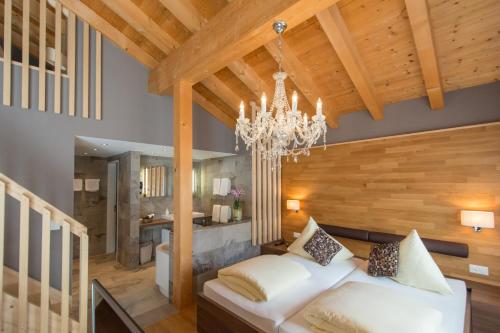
(238, 213)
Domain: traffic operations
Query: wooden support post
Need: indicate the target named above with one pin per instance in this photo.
(84, 280)
(65, 275)
(57, 68)
(2, 240)
(42, 56)
(85, 76)
(183, 197)
(45, 276)
(24, 234)
(98, 75)
(71, 60)
(7, 41)
(25, 78)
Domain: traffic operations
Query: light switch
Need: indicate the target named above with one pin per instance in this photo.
(481, 270)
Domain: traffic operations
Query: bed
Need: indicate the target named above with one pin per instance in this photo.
(453, 307)
(267, 316)
(221, 310)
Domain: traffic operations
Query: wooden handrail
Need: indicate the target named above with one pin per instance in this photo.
(39, 205)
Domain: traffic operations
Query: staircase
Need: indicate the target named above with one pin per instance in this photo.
(27, 305)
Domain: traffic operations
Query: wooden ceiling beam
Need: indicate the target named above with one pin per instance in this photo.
(108, 30)
(239, 28)
(336, 30)
(186, 13)
(141, 22)
(299, 75)
(249, 77)
(418, 14)
(219, 88)
(220, 115)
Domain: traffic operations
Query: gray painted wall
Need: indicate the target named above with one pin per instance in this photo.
(37, 149)
(474, 105)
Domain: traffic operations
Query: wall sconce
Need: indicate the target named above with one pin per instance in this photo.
(477, 219)
(293, 205)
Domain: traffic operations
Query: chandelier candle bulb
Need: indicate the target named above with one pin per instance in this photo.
(319, 107)
(242, 110)
(263, 100)
(294, 102)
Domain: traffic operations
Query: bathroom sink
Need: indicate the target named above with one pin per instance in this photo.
(170, 217)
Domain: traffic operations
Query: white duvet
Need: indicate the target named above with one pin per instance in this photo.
(264, 277)
(358, 307)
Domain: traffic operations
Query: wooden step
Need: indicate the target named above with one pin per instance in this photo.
(9, 317)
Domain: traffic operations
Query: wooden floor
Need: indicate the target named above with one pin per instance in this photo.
(182, 322)
(135, 290)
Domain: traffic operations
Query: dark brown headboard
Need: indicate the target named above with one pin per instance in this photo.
(438, 246)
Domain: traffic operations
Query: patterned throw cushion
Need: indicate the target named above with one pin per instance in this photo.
(322, 247)
(384, 260)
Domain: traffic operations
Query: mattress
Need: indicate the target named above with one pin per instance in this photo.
(452, 307)
(269, 315)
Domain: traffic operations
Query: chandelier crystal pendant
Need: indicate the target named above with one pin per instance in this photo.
(282, 130)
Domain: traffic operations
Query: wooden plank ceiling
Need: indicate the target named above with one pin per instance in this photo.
(357, 55)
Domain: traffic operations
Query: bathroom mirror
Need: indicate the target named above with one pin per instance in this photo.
(154, 181)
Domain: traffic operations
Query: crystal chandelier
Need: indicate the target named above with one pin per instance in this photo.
(283, 130)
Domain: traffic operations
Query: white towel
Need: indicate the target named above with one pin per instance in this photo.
(216, 186)
(225, 214)
(216, 213)
(92, 185)
(77, 185)
(225, 186)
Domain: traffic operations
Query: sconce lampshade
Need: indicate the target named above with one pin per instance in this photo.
(293, 205)
(477, 219)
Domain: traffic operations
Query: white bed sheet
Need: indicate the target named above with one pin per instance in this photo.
(269, 315)
(452, 307)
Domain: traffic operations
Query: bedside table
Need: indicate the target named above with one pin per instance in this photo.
(272, 248)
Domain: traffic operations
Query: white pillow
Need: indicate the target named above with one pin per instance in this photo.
(417, 268)
(297, 247)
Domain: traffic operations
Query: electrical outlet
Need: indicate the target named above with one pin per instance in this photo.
(481, 270)
(296, 234)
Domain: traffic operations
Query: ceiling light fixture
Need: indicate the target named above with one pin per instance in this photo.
(283, 130)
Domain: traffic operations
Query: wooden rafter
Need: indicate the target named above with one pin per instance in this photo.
(213, 109)
(108, 30)
(185, 12)
(253, 26)
(249, 77)
(219, 88)
(141, 22)
(334, 26)
(418, 14)
(299, 75)
(122, 41)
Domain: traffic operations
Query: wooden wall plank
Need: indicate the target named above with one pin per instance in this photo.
(58, 62)
(2, 241)
(265, 201)
(98, 75)
(399, 183)
(42, 57)
(7, 47)
(45, 273)
(255, 234)
(86, 70)
(71, 60)
(25, 79)
(84, 281)
(65, 276)
(24, 231)
(183, 196)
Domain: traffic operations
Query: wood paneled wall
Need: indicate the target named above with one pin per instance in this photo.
(395, 184)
